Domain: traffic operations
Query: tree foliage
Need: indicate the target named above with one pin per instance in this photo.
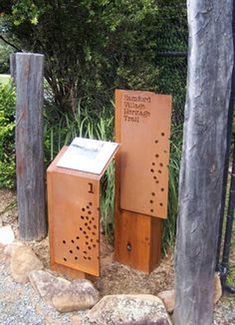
(91, 46)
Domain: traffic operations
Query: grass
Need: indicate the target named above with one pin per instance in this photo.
(4, 78)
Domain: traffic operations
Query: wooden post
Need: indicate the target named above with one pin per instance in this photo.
(29, 146)
(209, 83)
(13, 66)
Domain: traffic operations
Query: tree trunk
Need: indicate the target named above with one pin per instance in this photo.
(29, 146)
(210, 65)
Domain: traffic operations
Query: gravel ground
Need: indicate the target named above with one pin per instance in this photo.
(20, 304)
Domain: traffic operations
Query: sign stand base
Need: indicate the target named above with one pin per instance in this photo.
(138, 240)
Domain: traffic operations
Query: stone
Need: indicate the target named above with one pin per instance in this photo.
(23, 261)
(6, 235)
(80, 295)
(47, 284)
(217, 289)
(9, 249)
(168, 298)
(75, 320)
(62, 294)
(129, 309)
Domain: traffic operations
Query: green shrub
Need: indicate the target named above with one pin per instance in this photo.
(7, 135)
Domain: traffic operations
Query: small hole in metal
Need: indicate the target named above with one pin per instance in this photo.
(75, 257)
(71, 252)
(90, 203)
(152, 170)
(151, 201)
(156, 141)
(83, 209)
(65, 259)
(153, 194)
(161, 164)
(64, 242)
(161, 204)
(157, 155)
(78, 248)
(162, 134)
(129, 247)
(89, 247)
(159, 172)
(151, 210)
(72, 241)
(89, 258)
(162, 189)
(89, 212)
(77, 237)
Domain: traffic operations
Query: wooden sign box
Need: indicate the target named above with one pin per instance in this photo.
(74, 219)
(142, 127)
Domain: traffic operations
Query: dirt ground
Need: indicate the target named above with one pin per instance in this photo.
(116, 278)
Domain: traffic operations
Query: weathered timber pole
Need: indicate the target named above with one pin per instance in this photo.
(13, 66)
(29, 146)
(210, 63)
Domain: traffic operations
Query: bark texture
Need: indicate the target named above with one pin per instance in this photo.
(29, 146)
(210, 65)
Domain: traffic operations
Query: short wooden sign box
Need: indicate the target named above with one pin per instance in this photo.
(74, 219)
(142, 127)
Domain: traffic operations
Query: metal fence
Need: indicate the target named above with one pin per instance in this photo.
(171, 56)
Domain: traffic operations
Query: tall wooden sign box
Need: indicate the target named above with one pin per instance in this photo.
(73, 206)
(142, 127)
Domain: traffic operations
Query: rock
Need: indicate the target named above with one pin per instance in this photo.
(47, 284)
(6, 235)
(23, 261)
(168, 298)
(64, 295)
(9, 249)
(217, 289)
(75, 320)
(129, 309)
(80, 295)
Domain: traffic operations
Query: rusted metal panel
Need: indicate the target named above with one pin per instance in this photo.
(74, 201)
(143, 128)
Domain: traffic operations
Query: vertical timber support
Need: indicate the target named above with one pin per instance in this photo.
(210, 63)
(29, 146)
